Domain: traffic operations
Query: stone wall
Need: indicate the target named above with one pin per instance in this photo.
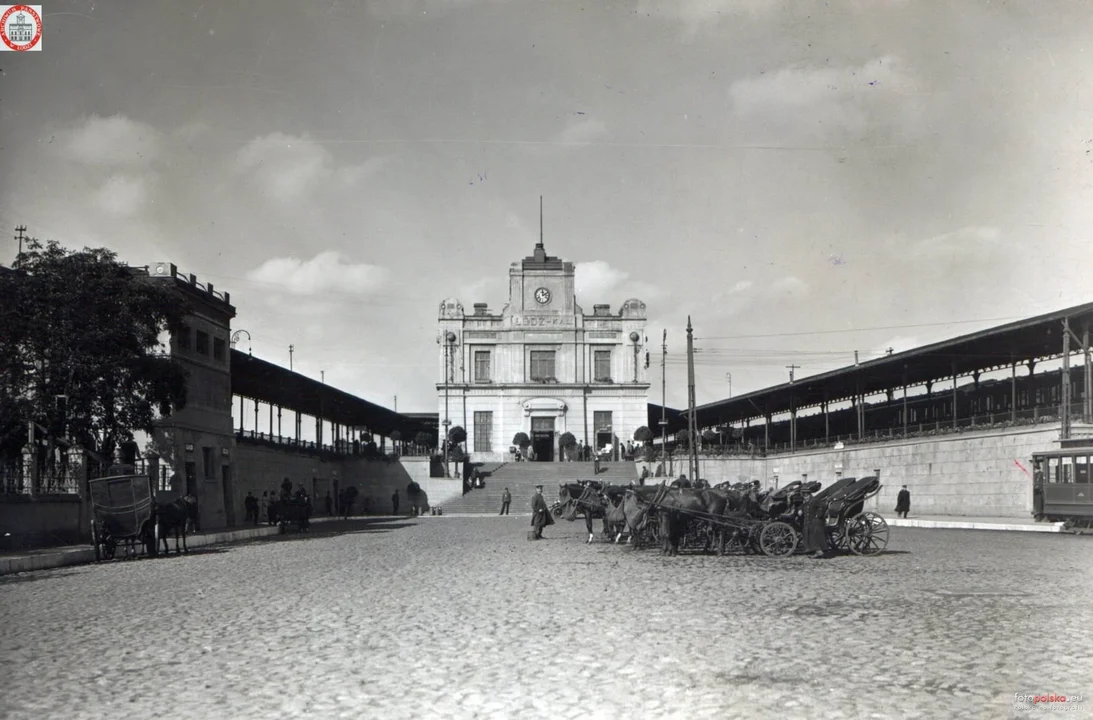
(262, 469)
(42, 521)
(984, 474)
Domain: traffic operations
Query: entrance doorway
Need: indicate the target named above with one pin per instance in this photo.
(542, 438)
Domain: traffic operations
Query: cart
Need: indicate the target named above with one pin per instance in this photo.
(123, 511)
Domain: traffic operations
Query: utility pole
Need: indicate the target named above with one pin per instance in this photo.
(396, 403)
(291, 349)
(791, 368)
(692, 421)
(20, 237)
(1065, 435)
(663, 401)
(728, 376)
(322, 375)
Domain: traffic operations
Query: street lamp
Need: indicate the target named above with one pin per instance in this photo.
(449, 343)
(634, 337)
(728, 376)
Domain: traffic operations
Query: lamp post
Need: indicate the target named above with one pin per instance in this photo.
(449, 342)
(728, 376)
(634, 337)
(237, 335)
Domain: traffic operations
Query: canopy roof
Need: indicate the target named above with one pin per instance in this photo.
(263, 381)
(1033, 339)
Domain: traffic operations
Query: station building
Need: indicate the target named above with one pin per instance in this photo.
(541, 366)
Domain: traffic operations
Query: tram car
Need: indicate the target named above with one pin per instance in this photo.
(1062, 490)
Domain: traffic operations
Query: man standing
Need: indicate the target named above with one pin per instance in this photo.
(394, 501)
(506, 498)
(903, 502)
(814, 535)
(540, 513)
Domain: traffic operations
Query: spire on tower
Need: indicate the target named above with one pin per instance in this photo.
(539, 246)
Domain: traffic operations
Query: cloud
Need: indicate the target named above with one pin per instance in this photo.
(287, 168)
(121, 195)
(826, 101)
(741, 287)
(965, 242)
(597, 279)
(327, 271)
(581, 132)
(112, 141)
(788, 286)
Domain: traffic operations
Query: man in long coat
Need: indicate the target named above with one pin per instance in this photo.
(814, 535)
(903, 502)
(540, 513)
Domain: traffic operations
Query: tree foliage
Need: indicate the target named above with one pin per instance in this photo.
(521, 440)
(80, 349)
(396, 436)
(425, 439)
(457, 435)
(567, 440)
(683, 438)
(709, 437)
(643, 435)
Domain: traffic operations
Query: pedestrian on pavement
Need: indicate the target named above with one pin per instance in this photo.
(263, 507)
(903, 502)
(540, 513)
(506, 498)
(329, 503)
(394, 501)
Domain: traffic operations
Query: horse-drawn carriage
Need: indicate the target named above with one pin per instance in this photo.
(292, 511)
(734, 515)
(123, 512)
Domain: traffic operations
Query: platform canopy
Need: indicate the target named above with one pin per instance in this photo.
(1033, 339)
(269, 383)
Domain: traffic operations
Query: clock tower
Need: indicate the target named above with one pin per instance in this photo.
(541, 285)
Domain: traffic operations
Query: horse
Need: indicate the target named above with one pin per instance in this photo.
(586, 497)
(637, 506)
(347, 497)
(172, 517)
(613, 516)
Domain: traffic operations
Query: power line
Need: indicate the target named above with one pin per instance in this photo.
(854, 330)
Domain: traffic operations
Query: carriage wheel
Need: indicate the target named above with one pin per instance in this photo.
(777, 539)
(836, 537)
(95, 541)
(867, 534)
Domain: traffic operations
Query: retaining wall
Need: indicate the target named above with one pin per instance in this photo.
(984, 474)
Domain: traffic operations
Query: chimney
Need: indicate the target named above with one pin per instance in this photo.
(601, 310)
(481, 309)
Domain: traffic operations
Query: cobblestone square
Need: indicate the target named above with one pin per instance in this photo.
(464, 618)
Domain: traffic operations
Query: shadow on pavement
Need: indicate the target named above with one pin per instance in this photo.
(36, 575)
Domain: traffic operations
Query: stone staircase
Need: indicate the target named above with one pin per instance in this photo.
(522, 477)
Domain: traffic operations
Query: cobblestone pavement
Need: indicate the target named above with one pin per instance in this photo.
(462, 618)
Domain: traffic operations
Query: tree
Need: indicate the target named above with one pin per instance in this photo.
(80, 349)
(643, 435)
(521, 440)
(683, 438)
(709, 437)
(457, 435)
(568, 443)
(425, 439)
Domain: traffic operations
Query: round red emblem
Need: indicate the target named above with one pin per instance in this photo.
(21, 28)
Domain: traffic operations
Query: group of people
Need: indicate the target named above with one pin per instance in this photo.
(264, 509)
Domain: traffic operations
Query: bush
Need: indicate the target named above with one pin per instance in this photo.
(683, 438)
(643, 435)
(425, 439)
(567, 440)
(457, 435)
(521, 440)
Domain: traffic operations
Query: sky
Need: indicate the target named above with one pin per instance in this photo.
(802, 179)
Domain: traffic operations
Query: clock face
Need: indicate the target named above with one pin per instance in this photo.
(542, 296)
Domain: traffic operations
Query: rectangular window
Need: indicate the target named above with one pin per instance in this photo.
(218, 349)
(603, 366)
(184, 338)
(481, 365)
(483, 432)
(202, 343)
(542, 365)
